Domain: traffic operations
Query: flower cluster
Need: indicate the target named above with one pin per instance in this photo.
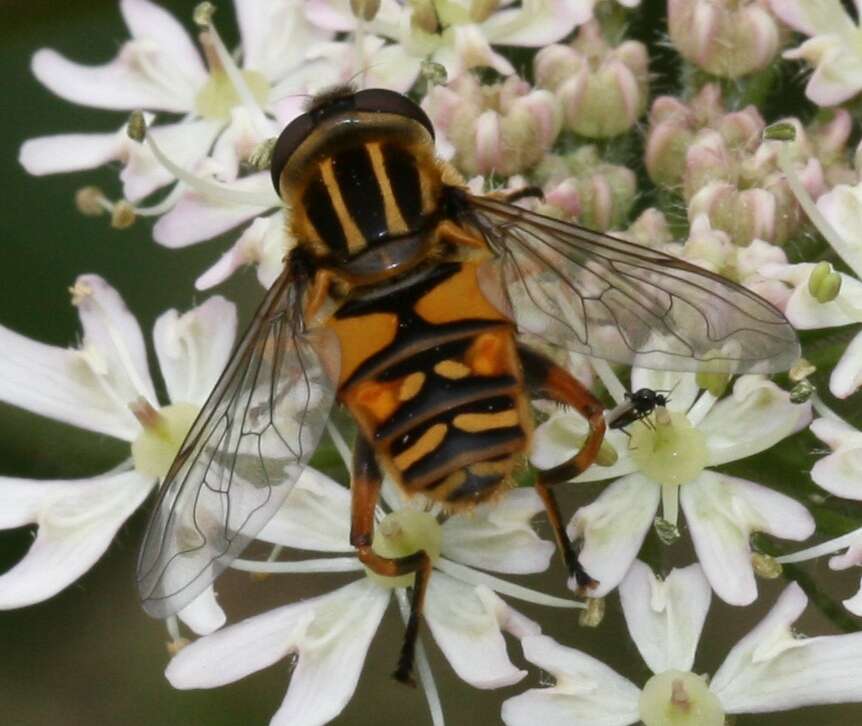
(559, 96)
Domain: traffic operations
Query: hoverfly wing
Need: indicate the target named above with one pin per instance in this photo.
(243, 454)
(595, 294)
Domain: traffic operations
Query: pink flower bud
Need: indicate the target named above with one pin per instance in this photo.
(650, 229)
(566, 198)
(727, 38)
(744, 214)
(708, 247)
(602, 90)
(707, 160)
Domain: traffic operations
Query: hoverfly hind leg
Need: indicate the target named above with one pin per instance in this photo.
(365, 491)
(546, 379)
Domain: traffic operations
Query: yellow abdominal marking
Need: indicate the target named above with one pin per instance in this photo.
(411, 385)
(451, 369)
(473, 422)
(429, 441)
(355, 240)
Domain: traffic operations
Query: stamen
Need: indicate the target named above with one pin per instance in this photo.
(209, 189)
(177, 642)
(609, 379)
(697, 413)
(322, 564)
(670, 503)
(259, 120)
(824, 548)
(824, 410)
(474, 577)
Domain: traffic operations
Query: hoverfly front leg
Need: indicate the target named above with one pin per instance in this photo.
(546, 379)
(365, 490)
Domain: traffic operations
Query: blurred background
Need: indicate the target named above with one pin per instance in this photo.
(90, 655)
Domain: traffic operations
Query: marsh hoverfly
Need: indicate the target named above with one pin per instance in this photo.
(424, 310)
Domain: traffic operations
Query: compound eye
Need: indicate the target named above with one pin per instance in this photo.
(288, 141)
(381, 100)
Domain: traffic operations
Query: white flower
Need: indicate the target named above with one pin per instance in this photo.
(839, 473)
(96, 386)
(770, 669)
(227, 110)
(836, 217)
(329, 635)
(833, 48)
(668, 463)
(458, 34)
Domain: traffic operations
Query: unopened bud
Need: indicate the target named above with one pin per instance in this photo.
(424, 17)
(727, 39)
(261, 156)
(666, 531)
(824, 283)
(136, 127)
(123, 215)
(365, 9)
(801, 370)
(593, 614)
(781, 131)
(203, 13)
(765, 566)
(434, 73)
(90, 201)
(715, 383)
(481, 10)
(802, 391)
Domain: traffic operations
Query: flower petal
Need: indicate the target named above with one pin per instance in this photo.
(77, 521)
(195, 219)
(665, 618)
(330, 634)
(498, 536)
(613, 529)
(468, 623)
(203, 614)
(722, 512)
(262, 243)
(771, 670)
(842, 207)
(315, 516)
(758, 415)
(558, 439)
(90, 388)
(841, 471)
(586, 692)
(537, 22)
(275, 35)
(193, 349)
(846, 377)
(68, 152)
(147, 20)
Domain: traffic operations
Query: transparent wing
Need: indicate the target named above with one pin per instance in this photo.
(602, 296)
(243, 454)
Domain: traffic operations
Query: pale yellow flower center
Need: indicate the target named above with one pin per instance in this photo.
(161, 436)
(402, 533)
(678, 698)
(668, 449)
(218, 95)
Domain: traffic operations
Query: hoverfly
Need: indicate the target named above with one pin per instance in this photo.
(417, 306)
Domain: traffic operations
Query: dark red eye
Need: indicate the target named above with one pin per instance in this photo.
(288, 142)
(382, 100)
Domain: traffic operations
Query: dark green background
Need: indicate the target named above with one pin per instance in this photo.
(90, 656)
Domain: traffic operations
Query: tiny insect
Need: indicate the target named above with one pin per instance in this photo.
(424, 310)
(638, 406)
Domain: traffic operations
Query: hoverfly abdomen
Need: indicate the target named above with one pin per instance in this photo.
(440, 392)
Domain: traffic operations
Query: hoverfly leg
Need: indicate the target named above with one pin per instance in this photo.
(451, 232)
(546, 379)
(510, 197)
(365, 490)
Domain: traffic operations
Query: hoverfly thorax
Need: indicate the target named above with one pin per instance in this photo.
(359, 171)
